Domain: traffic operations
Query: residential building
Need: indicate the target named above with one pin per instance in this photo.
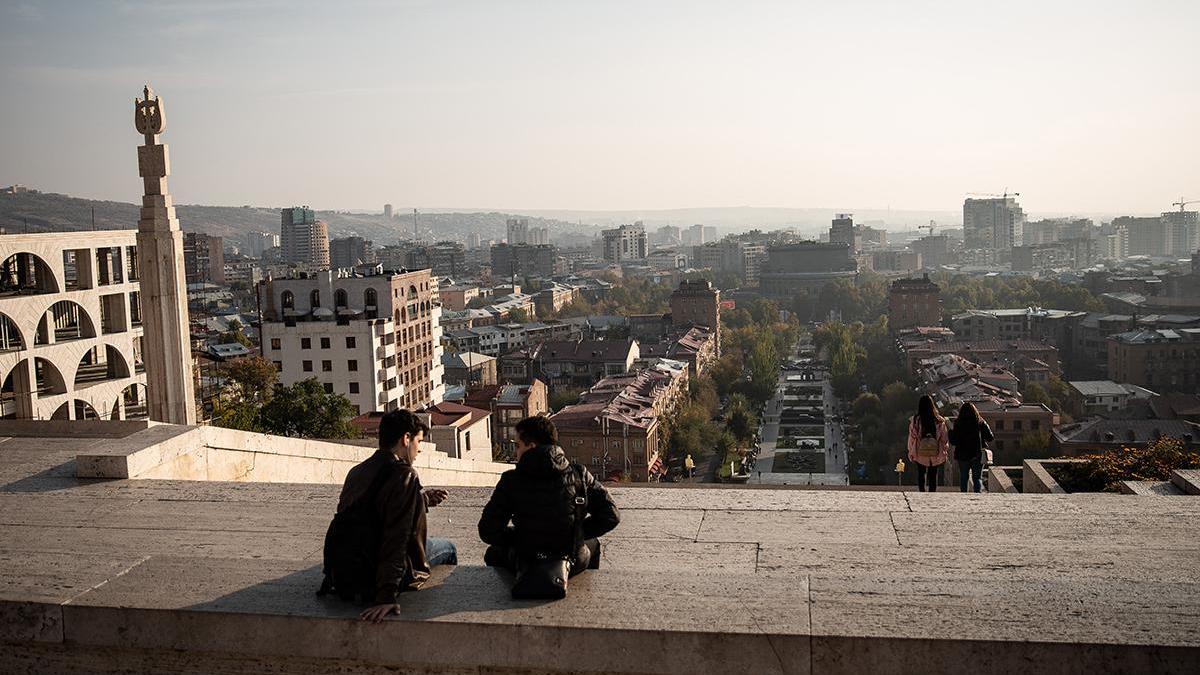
(71, 338)
(375, 338)
(1146, 235)
(460, 431)
(694, 236)
(951, 379)
(1101, 397)
(915, 348)
(456, 298)
(469, 369)
(553, 297)
(203, 258)
(695, 347)
(1164, 360)
(1105, 435)
(895, 260)
(615, 428)
(509, 404)
(539, 236)
(1183, 232)
(913, 303)
(933, 249)
(1010, 423)
(259, 242)
(387, 211)
(444, 258)
(244, 273)
(668, 235)
(807, 266)
(993, 223)
(523, 260)
(842, 232)
(517, 231)
(568, 364)
(627, 242)
(304, 239)
(350, 252)
(697, 303)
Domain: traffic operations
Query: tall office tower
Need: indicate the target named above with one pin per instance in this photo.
(474, 240)
(387, 211)
(995, 223)
(350, 251)
(303, 238)
(518, 231)
(842, 232)
(627, 242)
(257, 242)
(203, 258)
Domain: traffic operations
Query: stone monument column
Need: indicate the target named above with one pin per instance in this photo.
(167, 349)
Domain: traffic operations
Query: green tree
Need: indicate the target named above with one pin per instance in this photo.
(1034, 444)
(561, 398)
(254, 377)
(740, 419)
(235, 334)
(306, 410)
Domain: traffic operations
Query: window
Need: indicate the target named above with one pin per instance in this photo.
(350, 342)
(288, 300)
(353, 387)
(999, 425)
(314, 299)
(274, 343)
(305, 343)
(308, 366)
(1016, 425)
(326, 366)
(339, 299)
(1035, 425)
(324, 343)
(328, 387)
(278, 366)
(352, 365)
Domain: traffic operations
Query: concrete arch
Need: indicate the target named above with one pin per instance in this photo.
(48, 379)
(92, 369)
(68, 320)
(341, 299)
(11, 337)
(27, 273)
(287, 300)
(76, 409)
(132, 403)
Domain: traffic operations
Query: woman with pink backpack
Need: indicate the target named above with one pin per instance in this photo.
(928, 443)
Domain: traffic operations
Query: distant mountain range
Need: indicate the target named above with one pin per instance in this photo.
(51, 212)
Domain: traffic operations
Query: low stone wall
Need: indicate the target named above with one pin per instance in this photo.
(1035, 479)
(205, 453)
(1000, 481)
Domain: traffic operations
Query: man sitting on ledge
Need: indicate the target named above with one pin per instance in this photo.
(377, 545)
(533, 509)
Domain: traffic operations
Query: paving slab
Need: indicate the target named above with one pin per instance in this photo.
(1109, 530)
(145, 541)
(796, 527)
(36, 576)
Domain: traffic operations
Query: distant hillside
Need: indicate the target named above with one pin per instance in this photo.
(50, 212)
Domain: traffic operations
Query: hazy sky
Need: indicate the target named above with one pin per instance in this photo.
(1080, 106)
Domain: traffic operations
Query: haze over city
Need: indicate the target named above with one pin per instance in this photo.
(623, 106)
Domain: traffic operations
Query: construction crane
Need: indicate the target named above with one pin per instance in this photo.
(1005, 195)
(1184, 202)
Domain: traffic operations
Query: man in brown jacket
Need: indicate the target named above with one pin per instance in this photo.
(406, 552)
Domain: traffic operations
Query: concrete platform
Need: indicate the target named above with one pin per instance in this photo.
(118, 576)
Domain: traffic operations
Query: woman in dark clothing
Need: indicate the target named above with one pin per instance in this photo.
(928, 443)
(970, 434)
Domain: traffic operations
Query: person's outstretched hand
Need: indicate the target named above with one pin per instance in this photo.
(435, 496)
(377, 613)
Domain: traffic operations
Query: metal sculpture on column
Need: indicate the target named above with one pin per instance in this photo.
(167, 348)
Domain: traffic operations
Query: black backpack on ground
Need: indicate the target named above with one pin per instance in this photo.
(352, 546)
(545, 576)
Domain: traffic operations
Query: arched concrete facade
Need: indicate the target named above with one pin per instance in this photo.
(101, 280)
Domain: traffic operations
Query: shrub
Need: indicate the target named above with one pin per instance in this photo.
(1104, 472)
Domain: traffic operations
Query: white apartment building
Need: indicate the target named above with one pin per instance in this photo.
(373, 338)
(70, 326)
(627, 242)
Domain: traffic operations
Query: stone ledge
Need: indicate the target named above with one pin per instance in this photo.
(1187, 480)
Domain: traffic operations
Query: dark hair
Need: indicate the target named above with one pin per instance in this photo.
(928, 414)
(395, 425)
(968, 419)
(538, 430)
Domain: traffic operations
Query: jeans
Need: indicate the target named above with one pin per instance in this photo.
(972, 469)
(440, 551)
(927, 474)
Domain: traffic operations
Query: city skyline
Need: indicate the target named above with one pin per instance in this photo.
(533, 108)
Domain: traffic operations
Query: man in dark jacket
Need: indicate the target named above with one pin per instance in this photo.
(406, 552)
(532, 509)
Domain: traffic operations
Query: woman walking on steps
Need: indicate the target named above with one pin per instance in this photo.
(928, 443)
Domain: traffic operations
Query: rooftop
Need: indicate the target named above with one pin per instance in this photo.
(134, 575)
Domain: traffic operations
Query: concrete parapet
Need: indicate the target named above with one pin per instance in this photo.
(999, 480)
(1187, 480)
(1035, 479)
